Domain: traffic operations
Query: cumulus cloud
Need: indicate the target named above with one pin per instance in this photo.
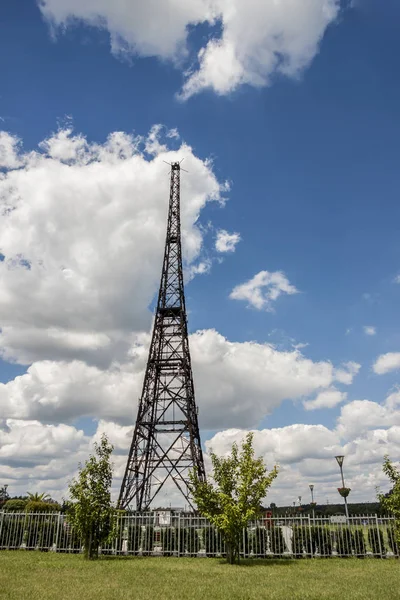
(307, 453)
(83, 228)
(346, 373)
(263, 289)
(24, 443)
(369, 330)
(326, 399)
(386, 363)
(236, 384)
(226, 242)
(43, 457)
(360, 416)
(397, 279)
(9, 151)
(254, 42)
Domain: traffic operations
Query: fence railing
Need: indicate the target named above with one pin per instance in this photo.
(178, 534)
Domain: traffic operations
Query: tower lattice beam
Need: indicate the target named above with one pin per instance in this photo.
(166, 440)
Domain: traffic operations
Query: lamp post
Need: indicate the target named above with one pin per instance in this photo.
(345, 493)
(311, 486)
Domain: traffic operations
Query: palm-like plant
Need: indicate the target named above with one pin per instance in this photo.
(38, 497)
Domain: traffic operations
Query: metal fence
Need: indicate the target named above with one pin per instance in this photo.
(177, 534)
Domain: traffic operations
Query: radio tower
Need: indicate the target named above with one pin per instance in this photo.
(166, 440)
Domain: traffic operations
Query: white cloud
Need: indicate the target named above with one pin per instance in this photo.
(226, 242)
(253, 290)
(307, 453)
(369, 330)
(326, 399)
(359, 416)
(237, 384)
(386, 363)
(347, 372)
(23, 443)
(9, 151)
(39, 457)
(256, 40)
(83, 229)
(397, 279)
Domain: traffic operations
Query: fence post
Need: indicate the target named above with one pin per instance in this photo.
(125, 522)
(179, 534)
(310, 534)
(55, 540)
(1, 525)
(378, 533)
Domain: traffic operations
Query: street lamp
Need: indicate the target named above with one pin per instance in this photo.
(299, 500)
(344, 492)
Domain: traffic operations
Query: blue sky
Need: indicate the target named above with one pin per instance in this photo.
(312, 162)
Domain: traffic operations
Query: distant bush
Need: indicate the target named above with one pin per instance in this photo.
(38, 506)
(213, 542)
(392, 540)
(134, 538)
(191, 540)
(168, 537)
(298, 540)
(276, 540)
(376, 541)
(258, 541)
(148, 539)
(15, 505)
(344, 542)
(321, 540)
(12, 531)
(359, 542)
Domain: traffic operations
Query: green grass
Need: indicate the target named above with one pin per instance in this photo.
(47, 576)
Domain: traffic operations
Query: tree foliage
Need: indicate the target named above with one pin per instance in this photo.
(241, 482)
(4, 496)
(391, 502)
(36, 497)
(91, 513)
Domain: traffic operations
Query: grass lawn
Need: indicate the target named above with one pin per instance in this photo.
(45, 576)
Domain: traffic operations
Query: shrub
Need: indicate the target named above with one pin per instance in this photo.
(68, 538)
(134, 538)
(358, 542)
(392, 540)
(259, 541)
(148, 539)
(40, 534)
(344, 541)
(168, 540)
(376, 541)
(276, 540)
(321, 540)
(213, 542)
(191, 540)
(37, 506)
(15, 505)
(298, 535)
(12, 531)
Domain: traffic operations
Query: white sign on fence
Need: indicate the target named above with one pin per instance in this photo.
(338, 519)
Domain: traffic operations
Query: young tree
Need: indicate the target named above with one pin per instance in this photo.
(90, 512)
(391, 501)
(241, 482)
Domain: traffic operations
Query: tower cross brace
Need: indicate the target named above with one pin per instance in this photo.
(166, 439)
